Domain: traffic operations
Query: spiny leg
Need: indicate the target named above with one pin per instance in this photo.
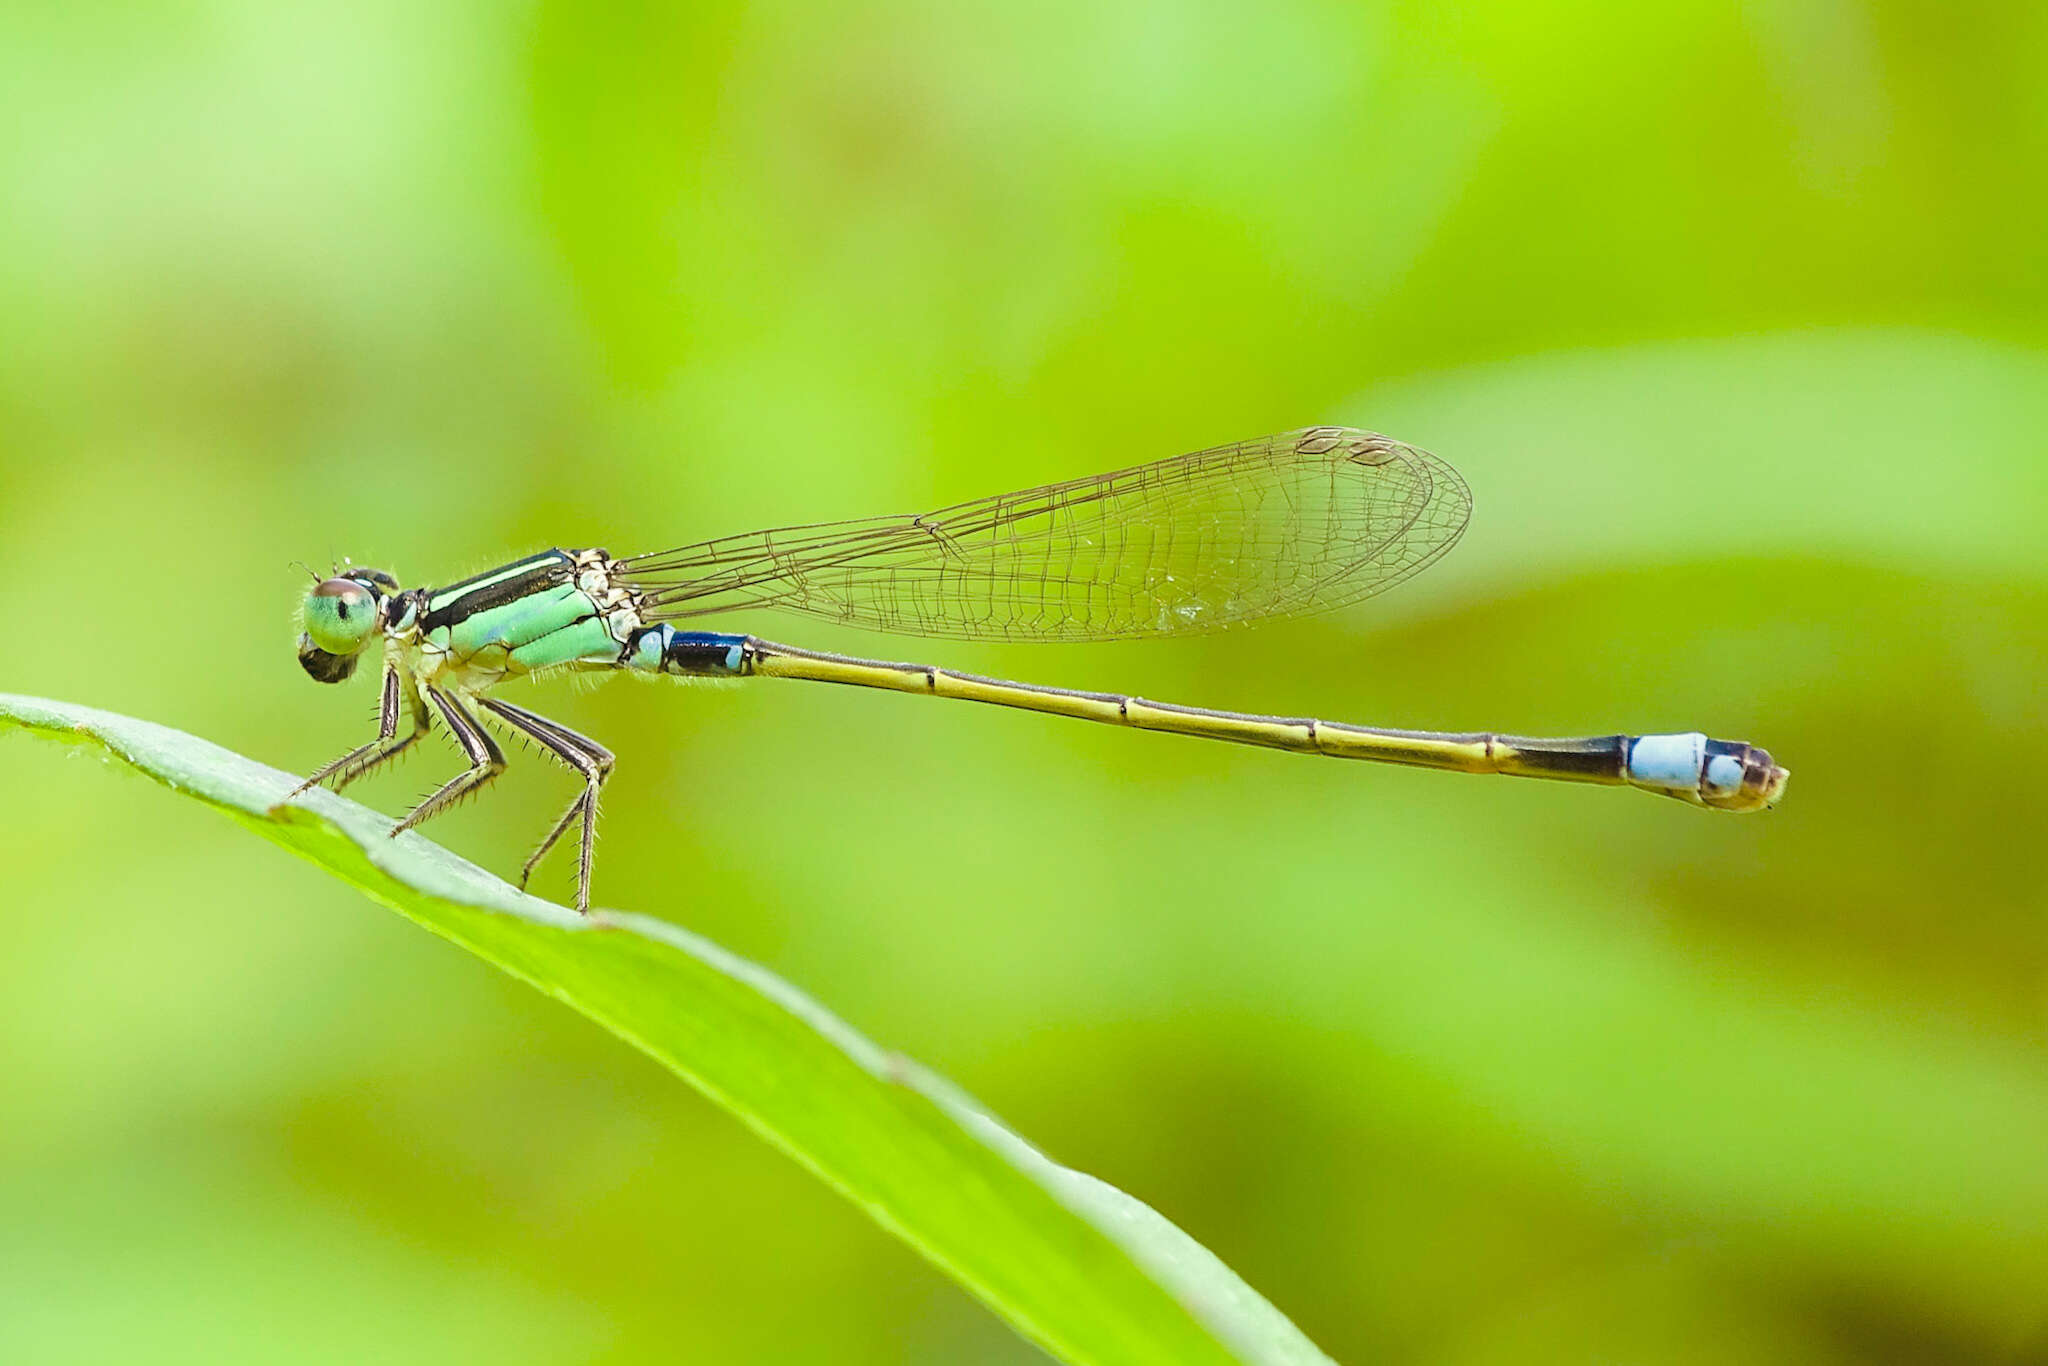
(579, 752)
(387, 746)
(486, 760)
(557, 743)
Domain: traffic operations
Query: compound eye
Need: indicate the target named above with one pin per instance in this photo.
(340, 614)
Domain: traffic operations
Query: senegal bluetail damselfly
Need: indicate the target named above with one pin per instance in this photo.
(1301, 522)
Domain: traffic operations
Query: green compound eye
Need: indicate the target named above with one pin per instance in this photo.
(340, 614)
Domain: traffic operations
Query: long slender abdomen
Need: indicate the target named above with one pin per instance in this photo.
(1724, 775)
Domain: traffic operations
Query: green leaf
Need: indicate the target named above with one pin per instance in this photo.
(1079, 1267)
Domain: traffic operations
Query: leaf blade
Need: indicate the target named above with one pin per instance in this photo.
(1084, 1270)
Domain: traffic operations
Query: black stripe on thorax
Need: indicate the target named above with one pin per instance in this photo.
(496, 587)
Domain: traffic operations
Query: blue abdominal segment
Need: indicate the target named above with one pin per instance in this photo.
(665, 650)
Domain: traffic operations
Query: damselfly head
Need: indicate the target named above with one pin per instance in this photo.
(340, 616)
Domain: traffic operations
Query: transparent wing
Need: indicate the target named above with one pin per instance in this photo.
(1300, 522)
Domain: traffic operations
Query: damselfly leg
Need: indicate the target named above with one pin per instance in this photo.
(587, 758)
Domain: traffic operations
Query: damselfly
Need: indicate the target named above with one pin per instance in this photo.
(1301, 522)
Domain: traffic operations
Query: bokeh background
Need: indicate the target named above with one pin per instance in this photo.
(1735, 318)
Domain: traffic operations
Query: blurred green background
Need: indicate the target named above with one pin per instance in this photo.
(1735, 318)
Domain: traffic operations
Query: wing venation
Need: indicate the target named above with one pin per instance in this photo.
(1301, 522)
